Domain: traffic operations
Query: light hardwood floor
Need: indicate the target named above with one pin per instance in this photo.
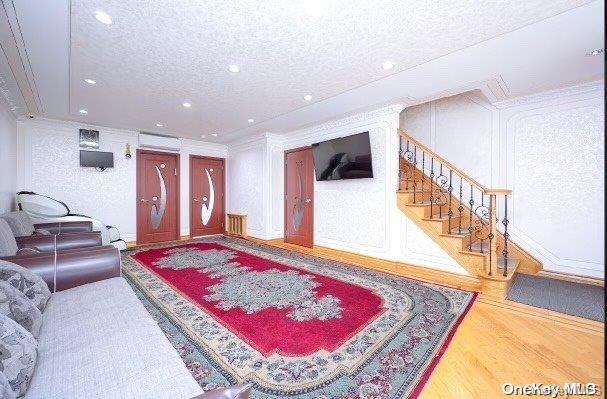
(499, 341)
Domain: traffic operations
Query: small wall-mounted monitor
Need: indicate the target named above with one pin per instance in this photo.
(96, 159)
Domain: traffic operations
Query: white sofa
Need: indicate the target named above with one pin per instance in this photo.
(98, 341)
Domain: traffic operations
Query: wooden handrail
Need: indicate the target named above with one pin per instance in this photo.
(464, 175)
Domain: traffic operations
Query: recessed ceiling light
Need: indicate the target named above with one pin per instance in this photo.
(187, 104)
(103, 17)
(90, 81)
(233, 68)
(83, 111)
(598, 51)
(159, 125)
(214, 134)
(203, 136)
(251, 120)
(387, 65)
(308, 97)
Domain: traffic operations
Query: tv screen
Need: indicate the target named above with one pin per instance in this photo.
(96, 159)
(343, 158)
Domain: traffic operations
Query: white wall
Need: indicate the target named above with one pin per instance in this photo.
(548, 148)
(256, 168)
(8, 157)
(354, 215)
(49, 164)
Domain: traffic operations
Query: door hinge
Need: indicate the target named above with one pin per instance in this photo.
(175, 171)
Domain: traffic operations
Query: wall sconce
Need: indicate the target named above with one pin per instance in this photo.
(127, 154)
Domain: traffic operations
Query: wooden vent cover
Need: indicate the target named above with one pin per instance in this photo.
(237, 225)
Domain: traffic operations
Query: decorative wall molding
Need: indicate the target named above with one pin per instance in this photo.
(48, 161)
(592, 88)
(571, 107)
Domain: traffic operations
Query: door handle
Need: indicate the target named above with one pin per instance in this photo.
(144, 200)
(195, 200)
(308, 201)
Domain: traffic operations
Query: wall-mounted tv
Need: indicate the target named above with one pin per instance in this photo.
(96, 159)
(343, 158)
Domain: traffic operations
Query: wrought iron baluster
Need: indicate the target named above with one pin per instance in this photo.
(407, 177)
(401, 172)
(440, 205)
(414, 172)
(460, 208)
(450, 189)
(491, 222)
(423, 174)
(431, 186)
(470, 228)
(482, 205)
(506, 235)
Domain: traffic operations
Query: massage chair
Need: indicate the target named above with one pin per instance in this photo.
(43, 209)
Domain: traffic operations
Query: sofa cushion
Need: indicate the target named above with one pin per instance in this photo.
(14, 304)
(32, 285)
(98, 341)
(8, 244)
(20, 223)
(17, 355)
(6, 391)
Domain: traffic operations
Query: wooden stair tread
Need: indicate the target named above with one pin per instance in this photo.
(410, 191)
(456, 231)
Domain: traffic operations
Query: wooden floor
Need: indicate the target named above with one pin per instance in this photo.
(499, 341)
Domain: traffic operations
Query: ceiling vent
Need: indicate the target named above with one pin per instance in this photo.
(149, 140)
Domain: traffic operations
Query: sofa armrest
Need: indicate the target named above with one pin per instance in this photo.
(46, 243)
(74, 267)
(235, 392)
(66, 227)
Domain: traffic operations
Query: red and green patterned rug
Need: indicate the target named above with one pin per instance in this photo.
(294, 325)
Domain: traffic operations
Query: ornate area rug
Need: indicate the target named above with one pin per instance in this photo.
(294, 325)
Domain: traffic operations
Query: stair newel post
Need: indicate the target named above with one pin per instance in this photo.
(431, 186)
(460, 208)
(506, 235)
(414, 168)
(470, 228)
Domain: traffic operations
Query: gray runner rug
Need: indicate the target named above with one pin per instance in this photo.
(576, 299)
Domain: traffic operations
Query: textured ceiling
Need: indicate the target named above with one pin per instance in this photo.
(158, 54)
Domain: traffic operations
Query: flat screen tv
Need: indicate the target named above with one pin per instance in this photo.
(96, 159)
(343, 158)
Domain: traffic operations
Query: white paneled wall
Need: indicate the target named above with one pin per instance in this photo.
(8, 157)
(548, 148)
(49, 165)
(354, 215)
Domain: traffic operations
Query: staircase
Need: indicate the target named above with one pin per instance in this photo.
(461, 215)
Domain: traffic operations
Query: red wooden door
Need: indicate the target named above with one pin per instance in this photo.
(157, 196)
(207, 206)
(299, 197)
